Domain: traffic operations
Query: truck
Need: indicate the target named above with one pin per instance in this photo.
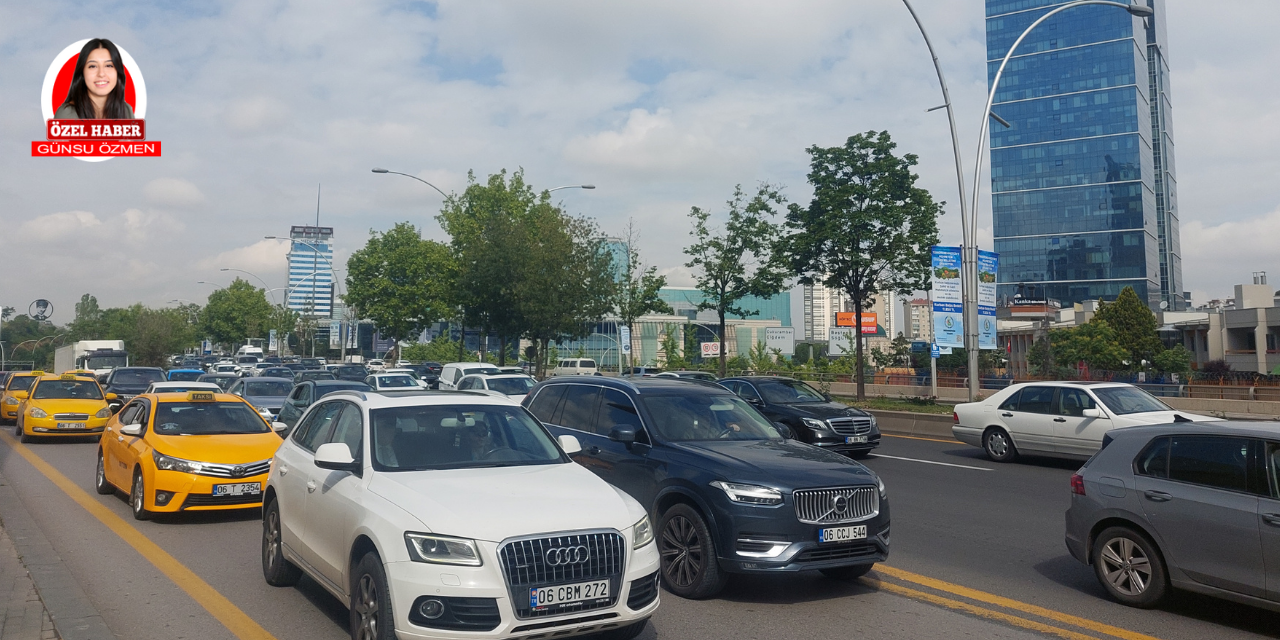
(99, 356)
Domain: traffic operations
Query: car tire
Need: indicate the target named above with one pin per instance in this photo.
(628, 632)
(1130, 567)
(277, 569)
(852, 572)
(998, 445)
(137, 497)
(100, 484)
(23, 437)
(371, 617)
(690, 568)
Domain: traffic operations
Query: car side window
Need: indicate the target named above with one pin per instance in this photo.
(544, 404)
(130, 413)
(1073, 402)
(466, 383)
(1012, 403)
(1274, 466)
(349, 429)
(1036, 400)
(617, 409)
(1211, 461)
(579, 407)
(310, 434)
(1154, 460)
(748, 392)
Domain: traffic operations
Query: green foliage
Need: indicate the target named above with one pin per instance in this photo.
(28, 340)
(1176, 360)
(442, 350)
(1095, 343)
(232, 315)
(868, 228)
(400, 281)
(761, 359)
(1134, 325)
(736, 261)
(88, 324)
(671, 348)
(157, 333)
(637, 291)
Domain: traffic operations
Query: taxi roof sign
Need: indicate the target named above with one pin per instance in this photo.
(68, 376)
(200, 396)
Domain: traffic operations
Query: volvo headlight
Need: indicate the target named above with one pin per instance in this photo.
(641, 533)
(37, 412)
(749, 493)
(104, 412)
(11, 401)
(442, 550)
(814, 423)
(166, 463)
(883, 492)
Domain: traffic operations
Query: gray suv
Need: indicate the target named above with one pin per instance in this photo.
(1182, 505)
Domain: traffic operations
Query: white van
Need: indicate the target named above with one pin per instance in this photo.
(453, 372)
(575, 367)
(249, 350)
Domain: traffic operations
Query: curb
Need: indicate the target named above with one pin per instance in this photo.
(74, 616)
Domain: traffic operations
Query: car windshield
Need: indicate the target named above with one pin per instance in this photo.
(207, 418)
(314, 375)
(21, 383)
(327, 389)
(510, 386)
(350, 371)
(278, 372)
(247, 360)
(136, 376)
(1126, 400)
(788, 392)
(67, 390)
(423, 437)
(268, 388)
(313, 362)
(708, 417)
(396, 382)
(106, 362)
(183, 376)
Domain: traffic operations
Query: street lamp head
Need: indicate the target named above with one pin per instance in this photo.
(1142, 11)
(379, 170)
(588, 186)
(224, 269)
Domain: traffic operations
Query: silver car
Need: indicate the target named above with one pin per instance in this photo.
(1194, 506)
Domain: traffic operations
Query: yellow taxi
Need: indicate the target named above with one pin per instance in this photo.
(63, 405)
(15, 391)
(194, 451)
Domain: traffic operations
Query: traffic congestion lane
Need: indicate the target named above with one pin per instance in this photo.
(998, 528)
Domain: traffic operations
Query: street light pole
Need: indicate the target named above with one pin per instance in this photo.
(264, 282)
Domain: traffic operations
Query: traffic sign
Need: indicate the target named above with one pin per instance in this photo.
(710, 349)
(934, 351)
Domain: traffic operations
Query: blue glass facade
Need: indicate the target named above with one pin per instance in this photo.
(1083, 187)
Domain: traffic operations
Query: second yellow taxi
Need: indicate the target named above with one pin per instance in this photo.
(195, 451)
(15, 391)
(61, 406)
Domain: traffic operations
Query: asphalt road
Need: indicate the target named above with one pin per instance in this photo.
(977, 552)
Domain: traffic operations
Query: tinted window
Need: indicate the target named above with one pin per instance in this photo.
(1154, 460)
(1012, 403)
(349, 429)
(21, 383)
(511, 386)
(397, 382)
(268, 388)
(708, 417)
(1275, 469)
(67, 390)
(579, 407)
(183, 376)
(298, 392)
(587, 364)
(137, 376)
(130, 413)
(1036, 400)
(1211, 461)
(616, 409)
(789, 392)
(350, 386)
(545, 403)
(207, 418)
(1126, 400)
(466, 383)
(458, 436)
(314, 430)
(1073, 402)
(747, 391)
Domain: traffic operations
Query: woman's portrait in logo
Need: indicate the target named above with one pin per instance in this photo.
(97, 85)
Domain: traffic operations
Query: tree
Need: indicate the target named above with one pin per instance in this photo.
(1176, 360)
(400, 281)
(736, 261)
(675, 359)
(232, 315)
(157, 333)
(88, 322)
(1134, 326)
(1094, 343)
(638, 285)
(868, 228)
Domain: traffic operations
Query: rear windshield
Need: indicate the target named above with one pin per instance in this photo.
(184, 376)
(708, 417)
(268, 388)
(314, 375)
(67, 390)
(351, 371)
(1126, 400)
(510, 386)
(21, 383)
(136, 376)
(397, 382)
(207, 418)
(327, 389)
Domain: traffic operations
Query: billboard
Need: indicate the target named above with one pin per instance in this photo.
(840, 342)
(781, 338)
(988, 261)
(948, 300)
(870, 320)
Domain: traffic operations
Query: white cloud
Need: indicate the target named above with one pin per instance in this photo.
(1216, 257)
(263, 258)
(173, 192)
(54, 226)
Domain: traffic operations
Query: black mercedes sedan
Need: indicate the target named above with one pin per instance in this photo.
(728, 492)
(811, 414)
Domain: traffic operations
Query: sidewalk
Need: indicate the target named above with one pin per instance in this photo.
(22, 613)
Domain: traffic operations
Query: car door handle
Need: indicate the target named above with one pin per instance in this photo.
(593, 450)
(311, 486)
(1059, 419)
(1157, 496)
(284, 470)
(1006, 415)
(1272, 519)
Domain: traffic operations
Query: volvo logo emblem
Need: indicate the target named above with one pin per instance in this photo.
(237, 471)
(840, 504)
(562, 556)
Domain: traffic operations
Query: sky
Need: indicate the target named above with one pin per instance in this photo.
(663, 105)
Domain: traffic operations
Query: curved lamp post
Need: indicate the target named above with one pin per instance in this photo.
(381, 170)
(264, 282)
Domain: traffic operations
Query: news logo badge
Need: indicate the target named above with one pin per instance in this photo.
(93, 139)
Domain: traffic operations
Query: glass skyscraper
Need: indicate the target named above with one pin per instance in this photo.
(1084, 195)
(311, 271)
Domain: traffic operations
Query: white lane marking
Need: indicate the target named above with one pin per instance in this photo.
(944, 464)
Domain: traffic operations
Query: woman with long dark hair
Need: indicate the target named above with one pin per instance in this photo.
(97, 88)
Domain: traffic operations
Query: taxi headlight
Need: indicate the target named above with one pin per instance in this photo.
(166, 463)
(37, 412)
(442, 550)
(749, 493)
(104, 412)
(641, 533)
(11, 401)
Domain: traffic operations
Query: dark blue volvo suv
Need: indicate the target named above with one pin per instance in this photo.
(727, 491)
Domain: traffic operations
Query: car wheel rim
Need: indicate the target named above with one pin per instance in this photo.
(997, 445)
(367, 608)
(102, 473)
(136, 494)
(681, 552)
(1126, 567)
(273, 538)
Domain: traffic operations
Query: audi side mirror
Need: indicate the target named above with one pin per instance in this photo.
(336, 456)
(570, 444)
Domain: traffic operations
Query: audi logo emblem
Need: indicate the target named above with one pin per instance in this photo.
(840, 504)
(562, 556)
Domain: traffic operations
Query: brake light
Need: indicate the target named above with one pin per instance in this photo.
(1077, 484)
(955, 418)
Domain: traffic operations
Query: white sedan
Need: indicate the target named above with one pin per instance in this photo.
(182, 387)
(392, 382)
(1064, 419)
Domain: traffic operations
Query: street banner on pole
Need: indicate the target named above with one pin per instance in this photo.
(624, 340)
(948, 301)
(271, 340)
(987, 263)
(781, 338)
(335, 334)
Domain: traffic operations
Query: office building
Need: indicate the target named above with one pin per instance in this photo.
(311, 271)
(921, 313)
(1084, 193)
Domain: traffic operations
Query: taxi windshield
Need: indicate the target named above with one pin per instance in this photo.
(268, 388)
(21, 383)
(207, 418)
(67, 390)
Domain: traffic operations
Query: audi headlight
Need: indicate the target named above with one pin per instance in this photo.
(883, 492)
(641, 533)
(442, 550)
(166, 463)
(749, 493)
(37, 412)
(11, 401)
(813, 423)
(104, 412)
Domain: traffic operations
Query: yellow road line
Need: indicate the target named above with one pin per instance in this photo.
(1000, 601)
(890, 435)
(975, 610)
(231, 617)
